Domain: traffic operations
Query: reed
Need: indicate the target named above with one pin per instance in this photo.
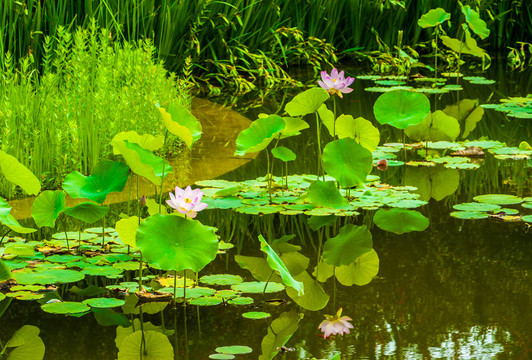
(89, 88)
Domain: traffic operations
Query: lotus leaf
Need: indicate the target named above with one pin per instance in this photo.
(256, 315)
(435, 183)
(325, 193)
(361, 271)
(102, 303)
(65, 307)
(474, 21)
(400, 221)
(499, 199)
(327, 118)
(436, 126)
(469, 215)
(141, 161)
(433, 17)
(475, 206)
(347, 161)
(221, 356)
(5, 209)
(293, 126)
(127, 230)
(241, 301)
(259, 134)
(279, 332)
(175, 243)
(307, 102)
(283, 153)
(152, 344)
(221, 279)
(146, 141)
(254, 287)
(277, 264)
(43, 277)
(106, 177)
(258, 267)
(206, 301)
(87, 212)
(314, 298)
(15, 172)
(19, 250)
(401, 108)
(14, 225)
(351, 242)
(234, 349)
(180, 122)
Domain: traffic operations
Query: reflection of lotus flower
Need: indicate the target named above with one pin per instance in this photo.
(335, 324)
(335, 83)
(187, 201)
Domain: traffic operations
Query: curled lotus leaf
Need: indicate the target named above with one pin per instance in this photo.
(433, 17)
(259, 134)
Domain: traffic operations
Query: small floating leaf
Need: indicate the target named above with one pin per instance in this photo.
(221, 279)
(234, 349)
(241, 300)
(499, 199)
(102, 303)
(256, 315)
(206, 301)
(66, 307)
(469, 215)
(254, 287)
(400, 221)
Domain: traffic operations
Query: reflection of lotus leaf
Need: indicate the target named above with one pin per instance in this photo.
(360, 272)
(400, 221)
(279, 332)
(351, 242)
(436, 126)
(155, 346)
(435, 183)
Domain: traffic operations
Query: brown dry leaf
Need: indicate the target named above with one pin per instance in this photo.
(471, 151)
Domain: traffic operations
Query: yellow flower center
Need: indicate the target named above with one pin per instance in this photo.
(188, 201)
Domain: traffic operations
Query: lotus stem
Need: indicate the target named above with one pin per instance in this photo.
(162, 176)
(266, 285)
(319, 146)
(334, 287)
(268, 176)
(103, 233)
(3, 236)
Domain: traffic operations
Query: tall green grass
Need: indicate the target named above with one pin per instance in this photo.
(89, 88)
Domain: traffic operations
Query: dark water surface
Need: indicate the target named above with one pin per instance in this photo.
(459, 290)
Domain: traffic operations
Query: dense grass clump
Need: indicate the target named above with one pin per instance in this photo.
(90, 88)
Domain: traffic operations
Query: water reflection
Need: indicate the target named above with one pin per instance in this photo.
(210, 157)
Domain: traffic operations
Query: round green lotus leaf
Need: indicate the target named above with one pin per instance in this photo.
(227, 294)
(400, 221)
(43, 277)
(108, 271)
(221, 279)
(360, 272)
(127, 230)
(128, 265)
(259, 134)
(27, 288)
(474, 206)
(102, 303)
(436, 126)
(225, 246)
(14, 225)
(314, 298)
(106, 177)
(228, 191)
(47, 206)
(401, 108)
(527, 218)
(206, 301)
(87, 212)
(499, 199)
(175, 243)
(469, 215)
(234, 349)
(262, 209)
(23, 336)
(325, 193)
(283, 153)
(256, 315)
(65, 307)
(351, 242)
(25, 295)
(221, 356)
(407, 204)
(347, 161)
(73, 235)
(527, 205)
(307, 102)
(433, 17)
(507, 211)
(192, 293)
(254, 287)
(98, 230)
(152, 344)
(230, 202)
(241, 300)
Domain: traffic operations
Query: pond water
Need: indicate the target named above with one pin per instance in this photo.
(461, 289)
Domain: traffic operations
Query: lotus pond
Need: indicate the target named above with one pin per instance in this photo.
(416, 225)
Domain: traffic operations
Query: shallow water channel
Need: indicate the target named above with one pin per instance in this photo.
(461, 289)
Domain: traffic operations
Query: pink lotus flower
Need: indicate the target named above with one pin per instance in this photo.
(187, 201)
(382, 165)
(335, 83)
(335, 324)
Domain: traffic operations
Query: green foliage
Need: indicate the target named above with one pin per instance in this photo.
(400, 221)
(401, 108)
(47, 206)
(88, 89)
(347, 161)
(259, 134)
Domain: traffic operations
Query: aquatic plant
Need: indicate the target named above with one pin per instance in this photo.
(336, 83)
(25, 344)
(335, 324)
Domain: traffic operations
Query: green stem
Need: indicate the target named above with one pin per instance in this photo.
(266, 285)
(103, 233)
(3, 236)
(185, 311)
(334, 287)
(140, 272)
(162, 177)
(268, 176)
(319, 145)
(436, 55)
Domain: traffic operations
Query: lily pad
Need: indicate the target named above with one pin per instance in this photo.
(469, 215)
(241, 300)
(347, 161)
(351, 242)
(499, 199)
(234, 349)
(221, 279)
(221, 356)
(401, 108)
(254, 287)
(475, 206)
(102, 303)
(206, 301)
(256, 315)
(65, 307)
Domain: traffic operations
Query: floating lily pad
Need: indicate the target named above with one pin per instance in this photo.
(221, 279)
(400, 221)
(206, 301)
(507, 211)
(499, 199)
(401, 108)
(44, 277)
(66, 307)
(475, 206)
(254, 287)
(234, 349)
(256, 315)
(227, 294)
(527, 218)
(102, 303)
(25, 295)
(221, 356)
(351, 242)
(195, 292)
(469, 215)
(241, 300)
